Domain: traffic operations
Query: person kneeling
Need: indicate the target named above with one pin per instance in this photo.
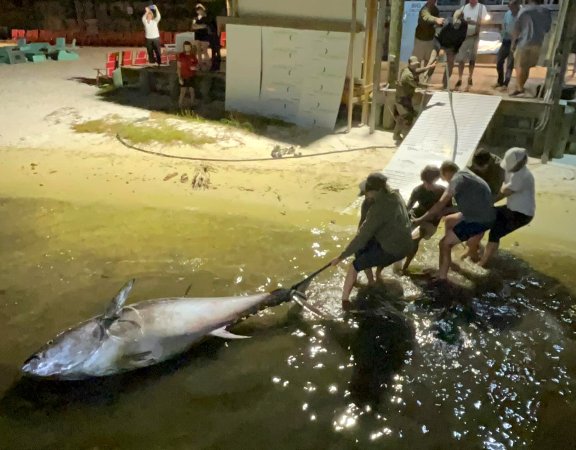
(383, 239)
(519, 190)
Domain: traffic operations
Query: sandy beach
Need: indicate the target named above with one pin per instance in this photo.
(43, 156)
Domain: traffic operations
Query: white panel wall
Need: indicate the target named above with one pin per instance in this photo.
(243, 68)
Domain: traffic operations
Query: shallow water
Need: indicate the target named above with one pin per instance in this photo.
(489, 363)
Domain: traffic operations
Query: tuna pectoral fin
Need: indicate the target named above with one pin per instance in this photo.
(136, 360)
(300, 298)
(225, 334)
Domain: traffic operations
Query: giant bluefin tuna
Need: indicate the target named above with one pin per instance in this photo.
(130, 337)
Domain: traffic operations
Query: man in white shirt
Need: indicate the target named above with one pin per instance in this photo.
(474, 13)
(150, 21)
(519, 189)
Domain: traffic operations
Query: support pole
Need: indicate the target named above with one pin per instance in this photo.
(565, 35)
(350, 70)
(394, 45)
(396, 20)
(377, 70)
(368, 63)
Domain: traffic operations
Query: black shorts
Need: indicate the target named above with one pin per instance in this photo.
(188, 82)
(465, 230)
(373, 256)
(506, 222)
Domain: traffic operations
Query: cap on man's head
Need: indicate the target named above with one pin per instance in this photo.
(513, 157)
(200, 6)
(374, 182)
(413, 60)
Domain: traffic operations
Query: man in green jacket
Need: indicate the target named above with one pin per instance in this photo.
(384, 238)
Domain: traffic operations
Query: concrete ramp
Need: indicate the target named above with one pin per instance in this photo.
(431, 139)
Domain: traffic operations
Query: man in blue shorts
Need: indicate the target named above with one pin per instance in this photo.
(475, 203)
(384, 238)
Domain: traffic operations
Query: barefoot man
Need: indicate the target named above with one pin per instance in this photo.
(383, 238)
(476, 215)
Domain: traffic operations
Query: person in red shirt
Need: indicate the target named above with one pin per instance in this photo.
(186, 67)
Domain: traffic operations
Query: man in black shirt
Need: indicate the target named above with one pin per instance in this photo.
(449, 39)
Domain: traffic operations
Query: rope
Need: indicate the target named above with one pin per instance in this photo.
(225, 160)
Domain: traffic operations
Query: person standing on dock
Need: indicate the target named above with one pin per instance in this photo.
(533, 22)
(449, 39)
(383, 238)
(150, 19)
(186, 67)
(428, 19)
(474, 14)
(505, 54)
(202, 28)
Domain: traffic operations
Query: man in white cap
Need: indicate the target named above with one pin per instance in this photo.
(519, 190)
(384, 238)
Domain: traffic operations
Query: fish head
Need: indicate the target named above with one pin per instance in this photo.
(64, 356)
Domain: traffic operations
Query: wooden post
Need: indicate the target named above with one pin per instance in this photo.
(368, 63)
(565, 35)
(396, 19)
(394, 45)
(377, 70)
(351, 67)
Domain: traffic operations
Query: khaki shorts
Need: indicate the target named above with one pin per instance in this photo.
(527, 57)
(423, 50)
(467, 52)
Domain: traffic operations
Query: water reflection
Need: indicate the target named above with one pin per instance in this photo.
(380, 343)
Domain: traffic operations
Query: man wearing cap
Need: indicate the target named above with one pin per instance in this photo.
(475, 203)
(519, 190)
(383, 238)
(404, 112)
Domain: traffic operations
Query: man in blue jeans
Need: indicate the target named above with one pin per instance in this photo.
(476, 206)
(505, 54)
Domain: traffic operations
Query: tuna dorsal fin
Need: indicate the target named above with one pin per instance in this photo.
(113, 310)
(225, 334)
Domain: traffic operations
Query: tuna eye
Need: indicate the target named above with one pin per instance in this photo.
(50, 342)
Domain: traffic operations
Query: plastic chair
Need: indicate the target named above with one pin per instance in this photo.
(141, 58)
(43, 36)
(32, 36)
(127, 57)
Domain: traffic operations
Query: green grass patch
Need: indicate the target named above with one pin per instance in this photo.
(239, 121)
(157, 131)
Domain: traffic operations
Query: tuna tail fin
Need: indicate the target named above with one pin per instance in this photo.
(115, 306)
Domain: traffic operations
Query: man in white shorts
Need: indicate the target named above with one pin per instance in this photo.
(474, 13)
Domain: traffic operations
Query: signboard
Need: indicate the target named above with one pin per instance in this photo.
(409, 23)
